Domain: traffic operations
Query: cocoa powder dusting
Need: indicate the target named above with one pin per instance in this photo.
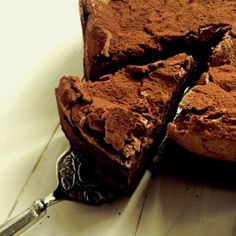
(136, 22)
(118, 125)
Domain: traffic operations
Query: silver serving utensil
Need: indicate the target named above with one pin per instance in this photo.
(72, 184)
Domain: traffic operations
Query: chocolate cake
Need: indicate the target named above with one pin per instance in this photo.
(123, 32)
(207, 123)
(139, 57)
(117, 121)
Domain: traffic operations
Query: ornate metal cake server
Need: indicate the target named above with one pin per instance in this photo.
(74, 183)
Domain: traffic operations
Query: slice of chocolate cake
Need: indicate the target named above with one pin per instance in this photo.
(117, 122)
(207, 123)
(124, 32)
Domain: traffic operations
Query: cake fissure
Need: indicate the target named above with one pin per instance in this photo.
(207, 124)
(117, 121)
(120, 33)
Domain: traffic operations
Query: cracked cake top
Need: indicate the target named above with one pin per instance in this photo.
(121, 32)
(123, 112)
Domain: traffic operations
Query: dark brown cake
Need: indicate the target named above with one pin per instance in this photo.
(129, 45)
(117, 121)
(123, 32)
(207, 124)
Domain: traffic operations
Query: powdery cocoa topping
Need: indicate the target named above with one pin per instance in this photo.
(127, 31)
(209, 110)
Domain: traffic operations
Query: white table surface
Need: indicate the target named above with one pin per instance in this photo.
(41, 41)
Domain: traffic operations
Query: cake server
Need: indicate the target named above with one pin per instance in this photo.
(72, 184)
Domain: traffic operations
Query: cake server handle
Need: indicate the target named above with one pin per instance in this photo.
(24, 220)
